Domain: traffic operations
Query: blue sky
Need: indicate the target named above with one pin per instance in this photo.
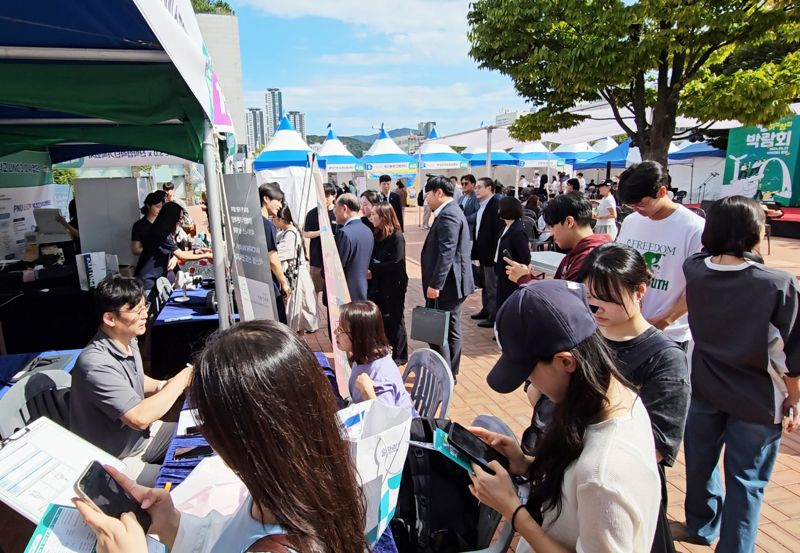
(357, 63)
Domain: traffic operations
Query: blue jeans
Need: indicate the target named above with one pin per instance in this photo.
(750, 453)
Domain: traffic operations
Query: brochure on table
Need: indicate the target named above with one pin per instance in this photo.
(40, 464)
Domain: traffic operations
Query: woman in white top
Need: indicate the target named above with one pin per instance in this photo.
(606, 212)
(267, 409)
(301, 306)
(594, 481)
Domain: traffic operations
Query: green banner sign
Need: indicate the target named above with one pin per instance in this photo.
(762, 162)
(25, 169)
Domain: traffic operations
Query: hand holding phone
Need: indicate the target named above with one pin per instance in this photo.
(474, 448)
(506, 253)
(98, 487)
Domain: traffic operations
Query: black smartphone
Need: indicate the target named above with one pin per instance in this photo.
(474, 448)
(191, 430)
(506, 253)
(182, 454)
(98, 487)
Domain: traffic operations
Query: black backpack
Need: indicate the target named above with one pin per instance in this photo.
(436, 513)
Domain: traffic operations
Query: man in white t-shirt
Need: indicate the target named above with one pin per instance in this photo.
(665, 233)
(606, 213)
(582, 183)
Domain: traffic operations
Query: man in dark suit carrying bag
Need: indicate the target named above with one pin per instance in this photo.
(446, 269)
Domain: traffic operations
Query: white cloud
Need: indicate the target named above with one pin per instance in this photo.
(430, 30)
(455, 106)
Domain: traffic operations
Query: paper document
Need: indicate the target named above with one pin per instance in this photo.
(39, 465)
(187, 419)
(62, 530)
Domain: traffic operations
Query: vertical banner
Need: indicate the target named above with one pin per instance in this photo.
(763, 162)
(335, 282)
(253, 276)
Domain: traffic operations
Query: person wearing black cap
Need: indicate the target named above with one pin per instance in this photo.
(594, 481)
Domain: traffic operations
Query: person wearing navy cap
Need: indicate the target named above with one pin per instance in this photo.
(594, 480)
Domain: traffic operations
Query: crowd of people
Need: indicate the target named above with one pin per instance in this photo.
(602, 351)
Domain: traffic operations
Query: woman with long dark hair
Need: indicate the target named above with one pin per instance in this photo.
(388, 280)
(160, 247)
(369, 199)
(374, 374)
(141, 228)
(745, 375)
(594, 483)
(280, 438)
(617, 278)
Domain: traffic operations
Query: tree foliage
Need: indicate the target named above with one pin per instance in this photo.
(212, 6)
(64, 176)
(651, 60)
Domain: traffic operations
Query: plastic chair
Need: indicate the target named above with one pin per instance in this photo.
(529, 225)
(679, 196)
(45, 393)
(698, 211)
(433, 383)
(489, 519)
(163, 292)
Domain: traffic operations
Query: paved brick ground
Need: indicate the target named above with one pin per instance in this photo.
(779, 529)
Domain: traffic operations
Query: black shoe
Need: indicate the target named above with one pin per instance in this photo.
(479, 315)
(486, 324)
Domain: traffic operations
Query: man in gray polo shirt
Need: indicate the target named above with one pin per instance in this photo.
(112, 403)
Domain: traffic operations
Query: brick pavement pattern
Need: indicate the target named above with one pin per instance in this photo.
(779, 528)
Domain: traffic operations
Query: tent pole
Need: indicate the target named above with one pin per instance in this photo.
(691, 183)
(489, 130)
(516, 182)
(215, 210)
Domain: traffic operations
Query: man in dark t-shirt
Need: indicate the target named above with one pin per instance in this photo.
(271, 197)
(311, 230)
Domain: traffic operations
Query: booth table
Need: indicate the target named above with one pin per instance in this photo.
(179, 331)
(12, 364)
(546, 262)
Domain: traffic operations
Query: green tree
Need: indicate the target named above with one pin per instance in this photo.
(64, 176)
(652, 61)
(212, 6)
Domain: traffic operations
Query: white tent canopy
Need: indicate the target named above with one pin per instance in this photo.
(605, 145)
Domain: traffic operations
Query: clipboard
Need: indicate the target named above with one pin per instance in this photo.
(39, 465)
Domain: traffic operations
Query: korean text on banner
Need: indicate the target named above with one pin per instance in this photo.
(335, 282)
(378, 437)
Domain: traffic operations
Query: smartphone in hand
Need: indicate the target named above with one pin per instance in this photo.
(98, 487)
(474, 448)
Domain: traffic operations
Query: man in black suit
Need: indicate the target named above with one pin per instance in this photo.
(488, 228)
(446, 269)
(354, 242)
(385, 182)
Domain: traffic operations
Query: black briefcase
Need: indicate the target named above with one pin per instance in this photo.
(430, 325)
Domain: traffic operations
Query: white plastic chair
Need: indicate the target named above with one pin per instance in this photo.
(433, 383)
(45, 393)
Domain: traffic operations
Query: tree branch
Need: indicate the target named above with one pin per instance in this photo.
(609, 97)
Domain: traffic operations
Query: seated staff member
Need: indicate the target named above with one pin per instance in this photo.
(374, 373)
(617, 278)
(594, 483)
(113, 404)
(161, 253)
(282, 439)
(141, 228)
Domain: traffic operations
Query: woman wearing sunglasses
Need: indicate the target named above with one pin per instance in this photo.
(616, 279)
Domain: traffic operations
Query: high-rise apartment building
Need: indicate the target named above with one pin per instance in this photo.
(272, 116)
(298, 121)
(255, 129)
(424, 129)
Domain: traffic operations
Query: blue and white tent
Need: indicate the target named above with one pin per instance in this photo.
(286, 149)
(337, 157)
(433, 155)
(476, 156)
(604, 145)
(534, 154)
(386, 156)
(286, 161)
(619, 157)
(696, 149)
(571, 153)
